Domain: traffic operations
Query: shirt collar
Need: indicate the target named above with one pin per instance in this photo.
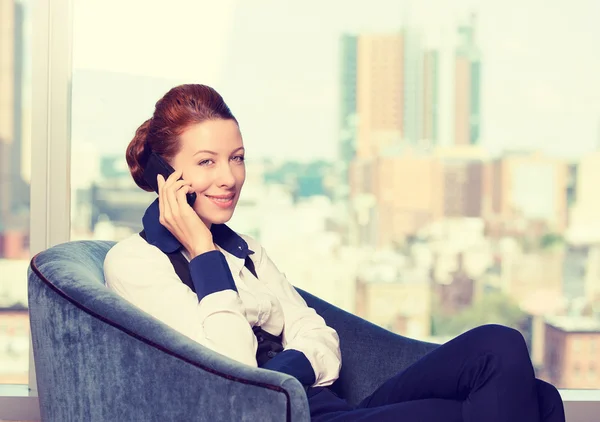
(159, 236)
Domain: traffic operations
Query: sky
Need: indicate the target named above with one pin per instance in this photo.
(277, 63)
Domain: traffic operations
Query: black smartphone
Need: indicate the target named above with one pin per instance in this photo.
(155, 166)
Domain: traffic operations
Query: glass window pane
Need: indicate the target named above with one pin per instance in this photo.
(429, 168)
(15, 116)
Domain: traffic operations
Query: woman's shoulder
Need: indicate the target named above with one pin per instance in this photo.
(132, 251)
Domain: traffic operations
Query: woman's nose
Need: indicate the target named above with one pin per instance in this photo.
(225, 176)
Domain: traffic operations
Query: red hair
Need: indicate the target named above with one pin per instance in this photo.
(180, 108)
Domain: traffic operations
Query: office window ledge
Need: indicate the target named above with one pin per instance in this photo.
(17, 404)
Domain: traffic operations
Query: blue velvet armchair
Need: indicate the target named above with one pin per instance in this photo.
(99, 358)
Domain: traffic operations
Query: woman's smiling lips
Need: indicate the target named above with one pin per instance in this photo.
(222, 201)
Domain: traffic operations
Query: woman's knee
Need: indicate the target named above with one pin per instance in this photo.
(547, 393)
(500, 339)
(497, 332)
(550, 400)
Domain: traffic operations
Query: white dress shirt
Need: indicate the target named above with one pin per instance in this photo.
(222, 321)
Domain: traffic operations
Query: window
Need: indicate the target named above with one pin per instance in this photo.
(15, 147)
(474, 128)
(577, 345)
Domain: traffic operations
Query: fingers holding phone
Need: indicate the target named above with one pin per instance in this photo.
(179, 218)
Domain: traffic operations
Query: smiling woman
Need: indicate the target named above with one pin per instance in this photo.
(193, 130)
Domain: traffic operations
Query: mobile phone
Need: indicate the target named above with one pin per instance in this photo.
(155, 166)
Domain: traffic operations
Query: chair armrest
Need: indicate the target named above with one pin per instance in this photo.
(104, 359)
(370, 354)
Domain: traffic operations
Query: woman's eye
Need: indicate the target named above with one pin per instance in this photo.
(238, 158)
(205, 162)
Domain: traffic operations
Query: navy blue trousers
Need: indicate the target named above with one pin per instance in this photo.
(485, 374)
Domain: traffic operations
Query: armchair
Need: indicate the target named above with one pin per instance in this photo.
(99, 358)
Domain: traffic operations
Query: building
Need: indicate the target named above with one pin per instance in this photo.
(463, 185)
(7, 106)
(582, 262)
(413, 87)
(584, 225)
(14, 200)
(14, 321)
(406, 193)
(348, 115)
(581, 272)
(527, 195)
(572, 352)
(402, 305)
(380, 101)
(533, 278)
(465, 180)
(456, 295)
(467, 96)
(14, 244)
(414, 188)
(431, 98)
(14, 345)
(14, 195)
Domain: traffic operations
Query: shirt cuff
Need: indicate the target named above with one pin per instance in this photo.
(294, 363)
(210, 274)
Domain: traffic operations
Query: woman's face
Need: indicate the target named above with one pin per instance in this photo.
(212, 160)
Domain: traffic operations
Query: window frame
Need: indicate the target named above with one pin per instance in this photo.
(50, 216)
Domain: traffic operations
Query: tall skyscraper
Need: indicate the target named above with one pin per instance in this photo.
(431, 97)
(20, 194)
(7, 94)
(347, 123)
(11, 75)
(412, 86)
(397, 91)
(380, 98)
(467, 113)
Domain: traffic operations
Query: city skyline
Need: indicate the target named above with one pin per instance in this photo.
(533, 94)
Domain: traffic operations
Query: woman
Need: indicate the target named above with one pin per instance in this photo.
(236, 295)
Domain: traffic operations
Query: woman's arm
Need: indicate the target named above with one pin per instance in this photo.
(312, 349)
(214, 317)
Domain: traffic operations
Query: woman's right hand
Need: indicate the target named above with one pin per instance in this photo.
(181, 219)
